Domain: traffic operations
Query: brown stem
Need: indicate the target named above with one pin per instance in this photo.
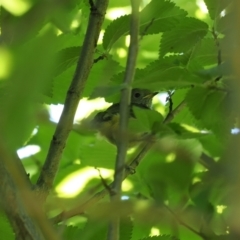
(50, 167)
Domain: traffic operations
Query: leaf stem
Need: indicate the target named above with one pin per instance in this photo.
(50, 167)
(174, 112)
(180, 221)
(19, 201)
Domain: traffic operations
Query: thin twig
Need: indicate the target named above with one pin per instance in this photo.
(169, 99)
(219, 53)
(174, 112)
(122, 144)
(99, 58)
(47, 175)
(180, 221)
(104, 182)
(146, 28)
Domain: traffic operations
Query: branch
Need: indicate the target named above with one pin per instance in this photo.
(219, 53)
(174, 112)
(122, 144)
(19, 201)
(50, 167)
(181, 222)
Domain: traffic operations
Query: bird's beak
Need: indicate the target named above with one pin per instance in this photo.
(151, 95)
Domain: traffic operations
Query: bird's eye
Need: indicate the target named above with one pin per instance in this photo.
(137, 95)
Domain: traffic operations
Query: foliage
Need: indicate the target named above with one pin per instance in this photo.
(180, 188)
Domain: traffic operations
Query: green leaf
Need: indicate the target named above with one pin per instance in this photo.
(98, 154)
(204, 54)
(27, 81)
(208, 106)
(222, 24)
(160, 16)
(66, 58)
(94, 230)
(184, 116)
(183, 37)
(71, 233)
(115, 30)
(183, 133)
(167, 73)
(162, 175)
(5, 228)
(212, 145)
(157, 16)
(126, 228)
(100, 74)
(215, 7)
(171, 78)
(147, 118)
(160, 237)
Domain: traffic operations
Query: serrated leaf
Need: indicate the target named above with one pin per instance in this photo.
(115, 30)
(160, 16)
(126, 228)
(183, 37)
(205, 53)
(172, 77)
(169, 72)
(160, 237)
(208, 106)
(100, 74)
(216, 71)
(157, 16)
(215, 7)
(66, 58)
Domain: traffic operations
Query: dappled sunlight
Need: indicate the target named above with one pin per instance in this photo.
(220, 208)
(114, 13)
(5, 63)
(100, 38)
(154, 231)
(202, 12)
(28, 151)
(171, 157)
(190, 128)
(127, 185)
(85, 108)
(75, 182)
(122, 53)
(149, 54)
(16, 7)
(127, 40)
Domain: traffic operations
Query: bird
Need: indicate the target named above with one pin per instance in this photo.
(107, 122)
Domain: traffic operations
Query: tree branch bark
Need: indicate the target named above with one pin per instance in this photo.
(50, 167)
(122, 144)
(19, 202)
